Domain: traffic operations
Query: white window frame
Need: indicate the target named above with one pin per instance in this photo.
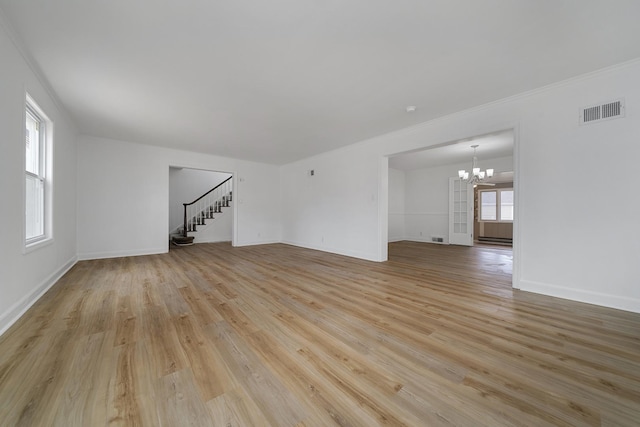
(498, 192)
(45, 174)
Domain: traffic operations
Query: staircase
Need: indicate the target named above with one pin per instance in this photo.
(202, 212)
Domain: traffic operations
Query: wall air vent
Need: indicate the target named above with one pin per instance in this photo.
(600, 112)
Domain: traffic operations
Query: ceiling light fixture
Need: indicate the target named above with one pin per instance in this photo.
(411, 108)
(476, 176)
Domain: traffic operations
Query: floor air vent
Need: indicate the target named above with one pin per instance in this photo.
(598, 113)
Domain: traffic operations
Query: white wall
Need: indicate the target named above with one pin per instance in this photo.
(336, 210)
(427, 198)
(396, 205)
(554, 249)
(123, 197)
(185, 186)
(24, 276)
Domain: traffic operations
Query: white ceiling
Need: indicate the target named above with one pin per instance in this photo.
(281, 80)
(492, 146)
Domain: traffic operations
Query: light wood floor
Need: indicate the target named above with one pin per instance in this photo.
(273, 335)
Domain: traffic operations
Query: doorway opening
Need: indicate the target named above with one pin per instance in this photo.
(429, 203)
(200, 206)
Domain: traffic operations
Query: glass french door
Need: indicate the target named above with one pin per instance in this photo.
(460, 212)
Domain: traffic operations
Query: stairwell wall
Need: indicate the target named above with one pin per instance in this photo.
(219, 229)
(24, 277)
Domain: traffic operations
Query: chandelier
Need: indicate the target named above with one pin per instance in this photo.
(476, 176)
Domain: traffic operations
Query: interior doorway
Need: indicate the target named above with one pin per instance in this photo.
(209, 212)
(420, 199)
(422, 204)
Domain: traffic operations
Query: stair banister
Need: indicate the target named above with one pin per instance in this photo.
(199, 212)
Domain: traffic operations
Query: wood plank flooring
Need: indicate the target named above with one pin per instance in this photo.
(273, 335)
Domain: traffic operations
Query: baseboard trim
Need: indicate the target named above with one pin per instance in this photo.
(17, 310)
(256, 243)
(580, 295)
(352, 254)
(213, 241)
(120, 254)
(420, 240)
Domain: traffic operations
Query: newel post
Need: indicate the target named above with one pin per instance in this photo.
(184, 226)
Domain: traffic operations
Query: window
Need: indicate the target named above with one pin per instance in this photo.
(37, 175)
(496, 205)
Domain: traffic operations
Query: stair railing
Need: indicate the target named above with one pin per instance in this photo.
(202, 208)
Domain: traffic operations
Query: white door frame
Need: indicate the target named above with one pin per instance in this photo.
(383, 208)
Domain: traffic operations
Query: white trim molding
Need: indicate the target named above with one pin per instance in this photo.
(15, 312)
(580, 295)
(120, 254)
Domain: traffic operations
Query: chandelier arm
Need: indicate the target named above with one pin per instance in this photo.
(474, 177)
